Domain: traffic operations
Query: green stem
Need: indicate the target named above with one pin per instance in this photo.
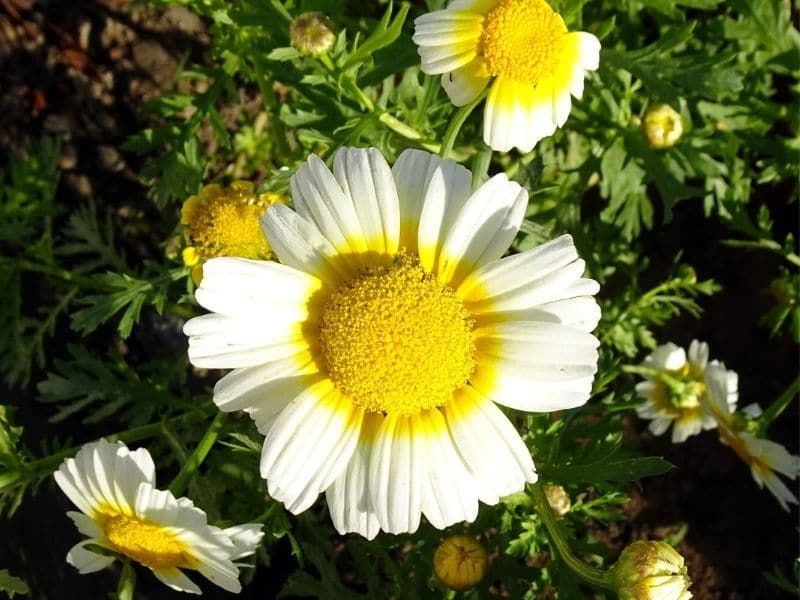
(58, 273)
(455, 125)
(178, 485)
(764, 244)
(127, 582)
(774, 410)
(47, 464)
(590, 575)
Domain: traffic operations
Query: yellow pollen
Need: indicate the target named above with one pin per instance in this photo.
(145, 542)
(223, 221)
(396, 340)
(522, 39)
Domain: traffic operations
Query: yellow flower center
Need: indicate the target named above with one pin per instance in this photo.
(682, 399)
(522, 39)
(147, 543)
(396, 340)
(224, 221)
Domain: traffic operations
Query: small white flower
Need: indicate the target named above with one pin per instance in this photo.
(375, 356)
(765, 458)
(522, 49)
(123, 513)
(675, 388)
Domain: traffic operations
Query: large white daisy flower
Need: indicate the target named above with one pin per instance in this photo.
(123, 513)
(524, 49)
(674, 389)
(765, 458)
(373, 358)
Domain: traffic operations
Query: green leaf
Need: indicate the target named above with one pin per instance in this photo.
(12, 585)
(625, 470)
(384, 34)
(284, 54)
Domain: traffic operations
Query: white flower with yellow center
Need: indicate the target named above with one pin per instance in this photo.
(675, 388)
(374, 357)
(524, 49)
(122, 513)
(764, 457)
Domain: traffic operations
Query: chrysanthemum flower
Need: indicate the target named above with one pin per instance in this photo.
(122, 513)
(765, 458)
(674, 390)
(524, 49)
(223, 221)
(374, 357)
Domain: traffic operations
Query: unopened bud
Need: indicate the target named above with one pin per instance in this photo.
(312, 33)
(558, 499)
(662, 127)
(650, 570)
(460, 562)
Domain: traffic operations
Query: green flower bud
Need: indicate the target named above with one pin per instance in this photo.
(649, 570)
(312, 33)
(662, 127)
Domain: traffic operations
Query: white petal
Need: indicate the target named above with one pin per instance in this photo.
(396, 476)
(668, 357)
(659, 425)
(246, 538)
(698, 354)
(310, 443)
(299, 244)
(685, 428)
(85, 560)
(366, 179)
(175, 579)
(86, 525)
(74, 488)
(451, 494)
(159, 506)
(588, 50)
(534, 366)
(131, 469)
(348, 497)
(465, 83)
(483, 229)
(517, 115)
(490, 445)
(216, 352)
(221, 572)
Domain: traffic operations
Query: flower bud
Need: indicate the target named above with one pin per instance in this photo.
(460, 562)
(663, 126)
(312, 33)
(558, 499)
(651, 570)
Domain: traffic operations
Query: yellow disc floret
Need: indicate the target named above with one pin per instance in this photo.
(396, 340)
(224, 221)
(522, 39)
(148, 543)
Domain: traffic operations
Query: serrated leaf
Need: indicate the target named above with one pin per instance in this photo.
(621, 471)
(12, 585)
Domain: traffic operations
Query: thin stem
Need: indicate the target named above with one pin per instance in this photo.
(774, 410)
(47, 464)
(127, 581)
(590, 575)
(764, 244)
(455, 125)
(178, 485)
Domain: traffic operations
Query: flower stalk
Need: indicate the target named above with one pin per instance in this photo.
(453, 129)
(178, 485)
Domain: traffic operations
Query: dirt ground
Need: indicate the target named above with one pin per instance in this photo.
(80, 71)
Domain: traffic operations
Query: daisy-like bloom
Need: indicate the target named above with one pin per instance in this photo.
(122, 513)
(651, 570)
(674, 390)
(765, 458)
(524, 49)
(373, 358)
(223, 221)
(460, 562)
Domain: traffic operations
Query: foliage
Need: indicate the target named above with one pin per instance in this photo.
(93, 323)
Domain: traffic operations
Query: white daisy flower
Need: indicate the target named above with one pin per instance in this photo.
(374, 357)
(674, 390)
(122, 513)
(766, 458)
(524, 49)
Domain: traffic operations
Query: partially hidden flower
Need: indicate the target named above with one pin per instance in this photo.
(662, 126)
(312, 33)
(460, 562)
(674, 390)
(123, 514)
(651, 570)
(373, 358)
(522, 50)
(557, 498)
(223, 221)
(766, 459)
